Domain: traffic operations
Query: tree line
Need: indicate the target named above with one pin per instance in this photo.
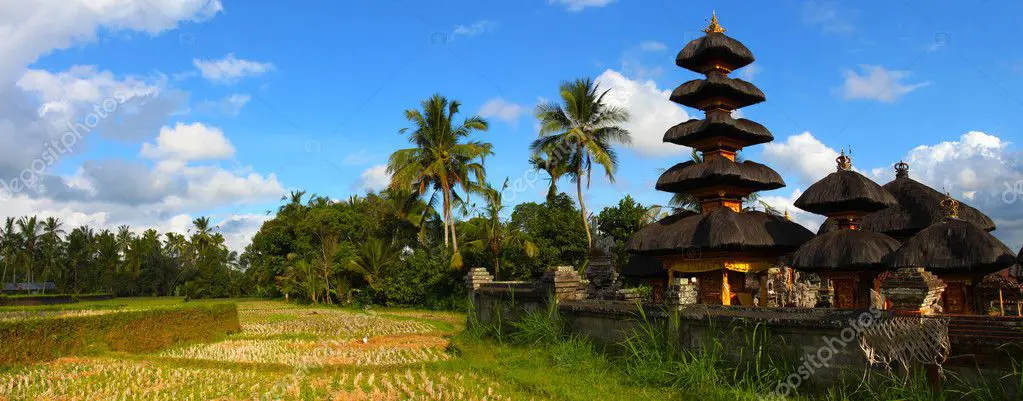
(86, 260)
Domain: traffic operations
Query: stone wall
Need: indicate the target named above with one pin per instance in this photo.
(806, 336)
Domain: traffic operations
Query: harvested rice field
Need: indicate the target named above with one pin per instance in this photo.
(291, 352)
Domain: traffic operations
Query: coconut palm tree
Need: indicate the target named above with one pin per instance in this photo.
(582, 130)
(9, 248)
(28, 227)
(373, 260)
(493, 235)
(554, 166)
(51, 242)
(443, 158)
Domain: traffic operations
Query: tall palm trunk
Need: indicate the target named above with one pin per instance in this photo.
(454, 234)
(447, 204)
(582, 204)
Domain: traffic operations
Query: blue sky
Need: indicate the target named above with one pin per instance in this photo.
(233, 103)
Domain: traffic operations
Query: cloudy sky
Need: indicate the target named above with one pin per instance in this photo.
(153, 112)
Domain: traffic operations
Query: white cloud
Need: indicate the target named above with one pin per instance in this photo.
(829, 16)
(34, 28)
(979, 167)
(230, 69)
(502, 110)
(878, 84)
(230, 105)
(579, 5)
(787, 203)
(187, 142)
(651, 113)
(374, 178)
(802, 155)
(475, 29)
(749, 72)
(38, 107)
(652, 46)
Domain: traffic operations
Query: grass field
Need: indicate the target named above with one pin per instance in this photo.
(291, 352)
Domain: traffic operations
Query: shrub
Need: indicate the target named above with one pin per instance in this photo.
(39, 339)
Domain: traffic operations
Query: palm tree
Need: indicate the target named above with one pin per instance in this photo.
(9, 245)
(440, 159)
(373, 260)
(581, 131)
(51, 247)
(202, 236)
(555, 168)
(493, 235)
(28, 228)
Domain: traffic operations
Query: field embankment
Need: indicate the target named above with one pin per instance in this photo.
(32, 336)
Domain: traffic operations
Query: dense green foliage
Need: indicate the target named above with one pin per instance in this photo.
(43, 338)
(123, 263)
(620, 222)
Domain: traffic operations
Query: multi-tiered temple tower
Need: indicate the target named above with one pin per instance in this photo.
(722, 244)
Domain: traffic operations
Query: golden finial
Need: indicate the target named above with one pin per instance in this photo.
(787, 216)
(714, 27)
(951, 206)
(844, 162)
(901, 169)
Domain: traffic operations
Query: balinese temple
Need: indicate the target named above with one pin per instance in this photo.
(847, 259)
(723, 245)
(960, 253)
(918, 208)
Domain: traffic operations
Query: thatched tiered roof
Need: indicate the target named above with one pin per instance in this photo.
(954, 246)
(844, 191)
(702, 54)
(918, 207)
(704, 94)
(643, 266)
(845, 250)
(718, 125)
(718, 183)
(688, 176)
(720, 230)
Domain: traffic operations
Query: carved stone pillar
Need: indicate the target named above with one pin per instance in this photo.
(913, 291)
(476, 277)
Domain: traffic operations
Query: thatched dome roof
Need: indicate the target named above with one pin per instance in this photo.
(954, 246)
(700, 54)
(844, 191)
(690, 175)
(845, 250)
(918, 207)
(718, 124)
(696, 92)
(828, 226)
(719, 230)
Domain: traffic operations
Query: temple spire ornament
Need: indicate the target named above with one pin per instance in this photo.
(844, 162)
(951, 206)
(714, 27)
(901, 169)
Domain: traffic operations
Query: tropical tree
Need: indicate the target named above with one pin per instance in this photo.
(554, 165)
(28, 227)
(52, 247)
(443, 158)
(9, 249)
(373, 260)
(582, 130)
(492, 234)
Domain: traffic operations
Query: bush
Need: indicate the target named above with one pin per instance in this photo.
(39, 339)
